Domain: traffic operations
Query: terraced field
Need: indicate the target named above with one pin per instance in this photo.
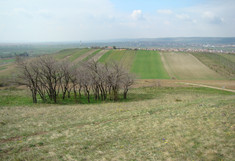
(186, 66)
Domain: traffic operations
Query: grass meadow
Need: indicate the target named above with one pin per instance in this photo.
(155, 123)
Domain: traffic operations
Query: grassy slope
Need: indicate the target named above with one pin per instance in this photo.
(71, 54)
(186, 66)
(124, 57)
(230, 57)
(99, 55)
(65, 53)
(91, 55)
(218, 63)
(148, 65)
(157, 124)
(78, 53)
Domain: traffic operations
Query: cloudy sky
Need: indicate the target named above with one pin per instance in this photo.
(75, 20)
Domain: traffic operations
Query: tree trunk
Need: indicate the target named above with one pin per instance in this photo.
(125, 93)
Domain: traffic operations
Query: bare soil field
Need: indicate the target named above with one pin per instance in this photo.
(185, 66)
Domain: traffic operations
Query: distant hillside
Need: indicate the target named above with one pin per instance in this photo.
(223, 43)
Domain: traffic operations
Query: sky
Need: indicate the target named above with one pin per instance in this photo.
(92, 20)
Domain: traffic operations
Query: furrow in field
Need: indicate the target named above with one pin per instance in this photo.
(186, 66)
(83, 56)
(99, 55)
(77, 54)
(65, 53)
(89, 57)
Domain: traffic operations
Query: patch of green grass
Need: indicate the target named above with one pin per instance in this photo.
(148, 65)
(13, 97)
(198, 127)
(91, 55)
(5, 61)
(104, 58)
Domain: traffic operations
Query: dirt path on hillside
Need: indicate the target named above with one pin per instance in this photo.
(202, 85)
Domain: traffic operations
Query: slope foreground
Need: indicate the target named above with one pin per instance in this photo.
(180, 123)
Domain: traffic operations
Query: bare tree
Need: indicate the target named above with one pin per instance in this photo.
(49, 76)
(28, 77)
(127, 81)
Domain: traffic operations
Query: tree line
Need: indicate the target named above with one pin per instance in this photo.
(51, 79)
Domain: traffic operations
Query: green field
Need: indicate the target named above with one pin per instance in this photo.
(144, 64)
(148, 65)
(181, 123)
(124, 57)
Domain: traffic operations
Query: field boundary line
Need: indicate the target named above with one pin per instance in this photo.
(202, 85)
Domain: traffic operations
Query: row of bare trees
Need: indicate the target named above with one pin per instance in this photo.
(51, 79)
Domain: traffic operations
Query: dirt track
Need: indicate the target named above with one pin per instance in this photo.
(201, 85)
(227, 85)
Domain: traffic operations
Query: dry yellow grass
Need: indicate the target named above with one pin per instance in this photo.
(186, 66)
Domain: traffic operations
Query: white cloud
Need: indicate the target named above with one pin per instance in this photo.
(183, 16)
(71, 20)
(212, 18)
(165, 11)
(137, 15)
